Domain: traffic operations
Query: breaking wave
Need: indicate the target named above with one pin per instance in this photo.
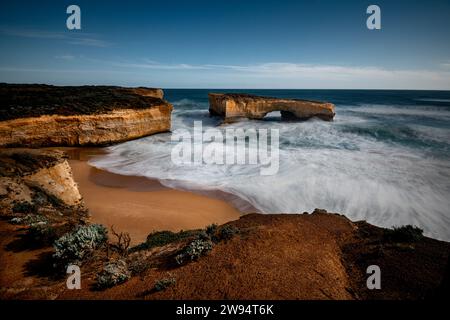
(387, 170)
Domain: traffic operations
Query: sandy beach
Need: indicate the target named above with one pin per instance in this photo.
(138, 205)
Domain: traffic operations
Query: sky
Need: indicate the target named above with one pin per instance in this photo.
(315, 44)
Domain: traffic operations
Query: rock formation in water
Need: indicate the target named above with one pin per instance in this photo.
(232, 106)
(41, 115)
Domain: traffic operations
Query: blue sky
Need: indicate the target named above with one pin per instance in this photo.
(228, 44)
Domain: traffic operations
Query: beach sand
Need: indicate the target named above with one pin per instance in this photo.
(138, 205)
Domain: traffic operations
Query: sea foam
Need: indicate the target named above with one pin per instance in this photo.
(336, 165)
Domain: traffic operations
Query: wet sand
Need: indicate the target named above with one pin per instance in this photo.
(138, 205)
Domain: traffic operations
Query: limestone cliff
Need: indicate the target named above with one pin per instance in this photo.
(232, 106)
(36, 116)
(37, 180)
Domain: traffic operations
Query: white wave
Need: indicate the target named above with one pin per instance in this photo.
(320, 167)
(405, 111)
(433, 100)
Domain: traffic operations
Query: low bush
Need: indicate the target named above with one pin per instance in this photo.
(138, 265)
(29, 219)
(113, 273)
(211, 229)
(24, 207)
(406, 233)
(217, 234)
(42, 197)
(163, 284)
(74, 246)
(42, 233)
(194, 250)
(162, 238)
(227, 232)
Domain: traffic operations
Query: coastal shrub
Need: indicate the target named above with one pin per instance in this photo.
(113, 273)
(138, 265)
(42, 197)
(216, 234)
(42, 233)
(24, 207)
(194, 250)
(406, 233)
(29, 219)
(163, 284)
(227, 232)
(73, 247)
(162, 238)
(211, 229)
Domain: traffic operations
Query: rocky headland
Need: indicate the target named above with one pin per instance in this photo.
(44, 226)
(234, 106)
(43, 115)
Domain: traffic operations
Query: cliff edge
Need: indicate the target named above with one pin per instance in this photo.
(43, 115)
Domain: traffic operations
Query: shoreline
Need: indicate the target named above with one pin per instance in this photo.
(247, 258)
(139, 205)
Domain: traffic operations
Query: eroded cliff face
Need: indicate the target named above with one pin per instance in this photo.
(38, 180)
(100, 129)
(232, 106)
(42, 116)
(149, 92)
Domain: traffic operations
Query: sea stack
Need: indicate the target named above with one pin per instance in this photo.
(232, 106)
(44, 116)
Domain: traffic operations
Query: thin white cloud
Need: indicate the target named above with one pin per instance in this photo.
(159, 66)
(74, 38)
(275, 75)
(67, 57)
(292, 73)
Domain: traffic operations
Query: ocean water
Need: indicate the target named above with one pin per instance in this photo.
(385, 158)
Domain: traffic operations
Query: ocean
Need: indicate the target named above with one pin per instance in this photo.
(385, 158)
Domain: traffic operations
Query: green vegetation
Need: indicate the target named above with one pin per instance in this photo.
(406, 233)
(29, 219)
(113, 273)
(200, 243)
(25, 100)
(21, 163)
(204, 242)
(24, 207)
(163, 284)
(42, 233)
(43, 198)
(194, 250)
(162, 238)
(227, 232)
(73, 247)
(216, 234)
(211, 229)
(138, 265)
